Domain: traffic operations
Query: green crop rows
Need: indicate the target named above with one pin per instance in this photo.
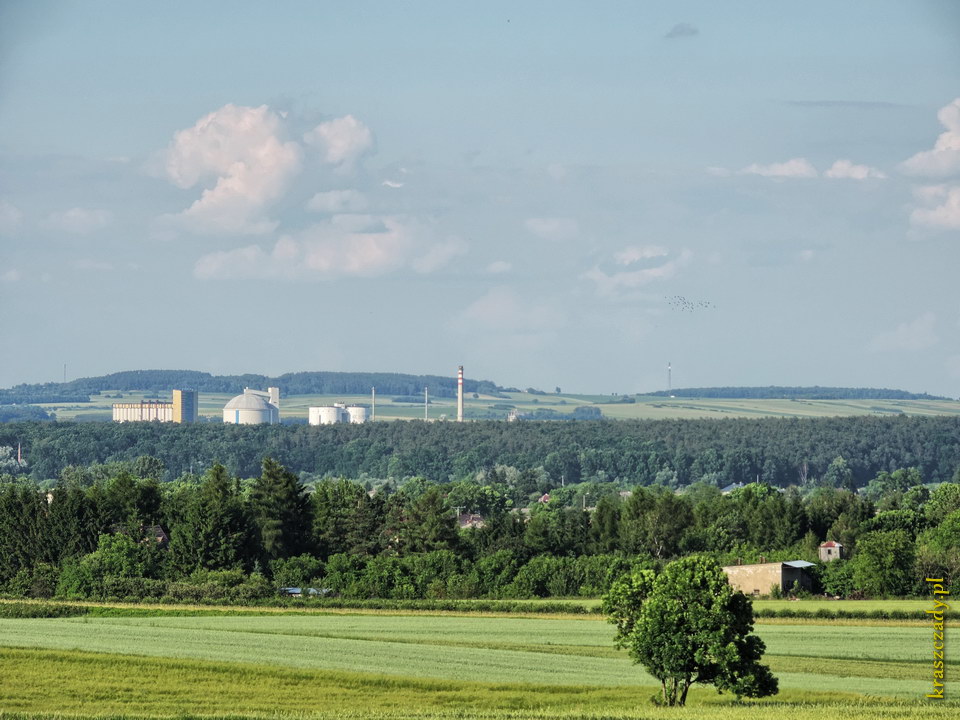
(421, 665)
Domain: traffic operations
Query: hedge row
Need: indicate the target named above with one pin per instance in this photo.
(838, 614)
(36, 610)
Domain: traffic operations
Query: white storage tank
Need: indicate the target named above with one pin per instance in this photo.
(356, 414)
(325, 415)
(251, 408)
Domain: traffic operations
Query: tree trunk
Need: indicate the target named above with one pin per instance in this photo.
(686, 687)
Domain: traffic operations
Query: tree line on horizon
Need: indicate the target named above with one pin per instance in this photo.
(674, 453)
(298, 383)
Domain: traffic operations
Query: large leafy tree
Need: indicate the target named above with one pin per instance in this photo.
(687, 625)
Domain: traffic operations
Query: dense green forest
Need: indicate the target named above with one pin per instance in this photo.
(778, 392)
(675, 453)
(301, 383)
(115, 532)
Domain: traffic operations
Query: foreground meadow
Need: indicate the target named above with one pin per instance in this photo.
(423, 665)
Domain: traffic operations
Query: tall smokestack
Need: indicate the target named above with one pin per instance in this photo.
(460, 394)
(373, 404)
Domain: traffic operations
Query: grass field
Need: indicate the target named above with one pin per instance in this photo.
(425, 665)
(645, 408)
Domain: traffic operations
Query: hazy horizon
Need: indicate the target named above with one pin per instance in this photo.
(552, 194)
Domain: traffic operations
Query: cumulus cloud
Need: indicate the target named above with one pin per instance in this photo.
(845, 169)
(502, 309)
(243, 150)
(10, 217)
(392, 184)
(794, 168)
(343, 245)
(633, 254)
(624, 281)
(917, 334)
(498, 267)
(939, 207)
(10, 276)
(342, 141)
(682, 30)
(79, 221)
(439, 255)
(553, 228)
(944, 159)
(337, 201)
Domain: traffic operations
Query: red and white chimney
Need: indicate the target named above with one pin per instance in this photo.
(460, 394)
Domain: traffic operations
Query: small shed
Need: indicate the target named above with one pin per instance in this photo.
(830, 550)
(761, 578)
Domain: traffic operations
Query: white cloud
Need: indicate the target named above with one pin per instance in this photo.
(10, 276)
(342, 141)
(344, 245)
(794, 168)
(439, 255)
(10, 217)
(917, 334)
(632, 254)
(502, 309)
(498, 267)
(78, 221)
(941, 207)
(244, 150)
(845, 169)
(337, 201)
(616, 283)
(944, 159)
(392, 184)
(553, 228)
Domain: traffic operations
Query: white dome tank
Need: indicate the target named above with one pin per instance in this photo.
(251, 408)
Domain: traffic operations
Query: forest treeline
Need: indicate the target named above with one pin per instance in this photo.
(780, 392)
(300, 383)
(115, 532)
(674, 453)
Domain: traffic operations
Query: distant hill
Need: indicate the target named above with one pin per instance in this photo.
(301, 383)
(777, 392)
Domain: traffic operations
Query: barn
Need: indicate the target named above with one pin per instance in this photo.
(761, 578)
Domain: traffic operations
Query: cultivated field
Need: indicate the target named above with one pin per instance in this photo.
(645, 408)
(427, 665)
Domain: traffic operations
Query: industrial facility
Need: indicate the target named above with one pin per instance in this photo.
(337, 413)
(183, 409)
(254, 407)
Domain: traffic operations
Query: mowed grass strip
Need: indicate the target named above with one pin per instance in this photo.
(38, 683)
(870, 660)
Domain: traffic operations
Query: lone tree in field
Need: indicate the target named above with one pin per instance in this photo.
(687, 625)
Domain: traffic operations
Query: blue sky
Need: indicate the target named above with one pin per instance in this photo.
(527, 191)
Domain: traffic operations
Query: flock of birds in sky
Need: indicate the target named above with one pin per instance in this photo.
(679, 302)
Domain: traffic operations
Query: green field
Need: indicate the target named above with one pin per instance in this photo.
(645, 408)
(426, 665)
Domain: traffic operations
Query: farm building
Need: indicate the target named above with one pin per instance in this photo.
(761, 578)
(830, 550)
